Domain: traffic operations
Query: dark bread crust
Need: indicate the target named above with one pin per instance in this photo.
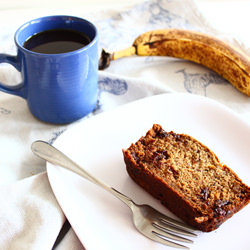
(200, 209)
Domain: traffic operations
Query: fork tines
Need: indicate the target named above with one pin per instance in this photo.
(166, 228)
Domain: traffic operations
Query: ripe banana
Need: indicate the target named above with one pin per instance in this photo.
(225, 59)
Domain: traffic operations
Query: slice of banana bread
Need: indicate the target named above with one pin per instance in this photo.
(187, 177)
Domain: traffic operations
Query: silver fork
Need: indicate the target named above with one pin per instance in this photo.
(147, 220)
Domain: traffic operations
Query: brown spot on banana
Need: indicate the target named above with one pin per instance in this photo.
(209, 51)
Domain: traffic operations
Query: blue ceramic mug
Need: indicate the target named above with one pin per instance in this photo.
(59, 87)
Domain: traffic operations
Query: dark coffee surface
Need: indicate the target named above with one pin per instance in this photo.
(56, 41)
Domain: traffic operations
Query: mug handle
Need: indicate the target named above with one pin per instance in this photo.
(17, 89)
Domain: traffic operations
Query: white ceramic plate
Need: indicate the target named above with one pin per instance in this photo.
(100, 220)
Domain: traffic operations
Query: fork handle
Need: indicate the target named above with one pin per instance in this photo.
(49, 153)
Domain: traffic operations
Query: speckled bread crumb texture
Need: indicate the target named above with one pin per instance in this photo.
(209, 190)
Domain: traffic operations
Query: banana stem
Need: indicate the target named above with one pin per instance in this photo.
(106, 57)
(130, 51)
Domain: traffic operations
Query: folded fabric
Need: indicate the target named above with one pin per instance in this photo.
(30, 216)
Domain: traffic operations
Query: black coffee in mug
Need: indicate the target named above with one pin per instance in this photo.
(56, 41)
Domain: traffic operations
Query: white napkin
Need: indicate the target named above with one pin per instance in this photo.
(28, 209)
(30, 217)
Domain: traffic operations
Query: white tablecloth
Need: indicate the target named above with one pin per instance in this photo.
(30, 216)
